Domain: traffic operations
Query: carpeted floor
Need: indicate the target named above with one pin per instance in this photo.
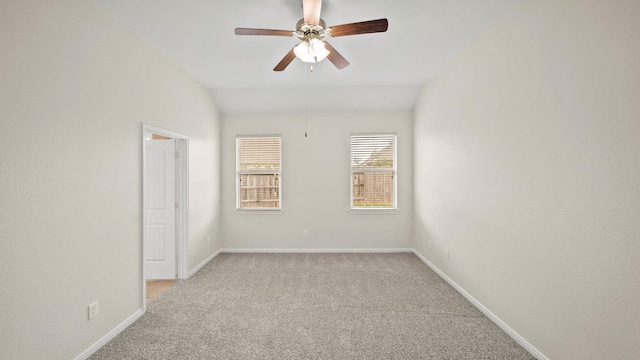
(313, 306)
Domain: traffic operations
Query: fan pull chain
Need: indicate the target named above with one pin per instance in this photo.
(305, 98)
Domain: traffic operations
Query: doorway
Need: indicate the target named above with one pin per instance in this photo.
(165, 207)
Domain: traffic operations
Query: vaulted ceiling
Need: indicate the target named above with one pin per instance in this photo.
(387, 69)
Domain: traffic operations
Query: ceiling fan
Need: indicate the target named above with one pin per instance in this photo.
(312, 30)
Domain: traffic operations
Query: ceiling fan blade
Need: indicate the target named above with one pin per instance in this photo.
(286, 60)
(364, 27)
(311, 11)
(270, 32)
(335, 57)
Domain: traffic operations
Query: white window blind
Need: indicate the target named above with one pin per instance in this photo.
(258, 172)
(373, 171)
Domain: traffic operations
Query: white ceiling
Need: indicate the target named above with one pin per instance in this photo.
(387, 69)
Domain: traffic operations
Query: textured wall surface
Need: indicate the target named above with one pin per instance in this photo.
(76, 86)
(527, 170)
(315, 184)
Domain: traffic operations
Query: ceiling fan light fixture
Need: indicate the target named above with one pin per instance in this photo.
(311, 51)
(311, 30)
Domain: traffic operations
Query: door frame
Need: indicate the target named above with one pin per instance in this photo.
(182, 199)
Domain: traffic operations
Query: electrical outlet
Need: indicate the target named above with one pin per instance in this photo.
(429, 243)
(93, 310)
(446, 255)
(305, 233)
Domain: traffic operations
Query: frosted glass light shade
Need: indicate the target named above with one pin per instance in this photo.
(312, 51)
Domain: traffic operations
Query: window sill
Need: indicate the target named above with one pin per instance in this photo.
(374, 211)
(258, 211)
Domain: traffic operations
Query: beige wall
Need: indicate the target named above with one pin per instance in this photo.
(75, 87)
(527, 169)
(315, 184)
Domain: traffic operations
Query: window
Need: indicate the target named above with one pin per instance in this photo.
(258, 172)
(373, 171)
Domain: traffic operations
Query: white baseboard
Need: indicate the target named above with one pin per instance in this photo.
(108, 337)
(202, 264)
(319, 251)
(514, 335)
(113, 333)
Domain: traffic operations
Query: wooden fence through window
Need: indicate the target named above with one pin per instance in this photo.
(259, 191)
(373, 189)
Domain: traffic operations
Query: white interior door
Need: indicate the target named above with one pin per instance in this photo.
(160, 206)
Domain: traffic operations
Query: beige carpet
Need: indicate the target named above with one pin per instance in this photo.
(313, 306)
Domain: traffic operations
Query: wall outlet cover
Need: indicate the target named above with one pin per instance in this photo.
(93, 310)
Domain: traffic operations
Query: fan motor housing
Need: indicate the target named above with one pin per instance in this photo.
(308, 32)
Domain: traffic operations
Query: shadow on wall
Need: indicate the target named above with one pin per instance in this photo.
(424, 241)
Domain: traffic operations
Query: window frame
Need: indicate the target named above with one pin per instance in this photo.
(240, 172)
(393, 171)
